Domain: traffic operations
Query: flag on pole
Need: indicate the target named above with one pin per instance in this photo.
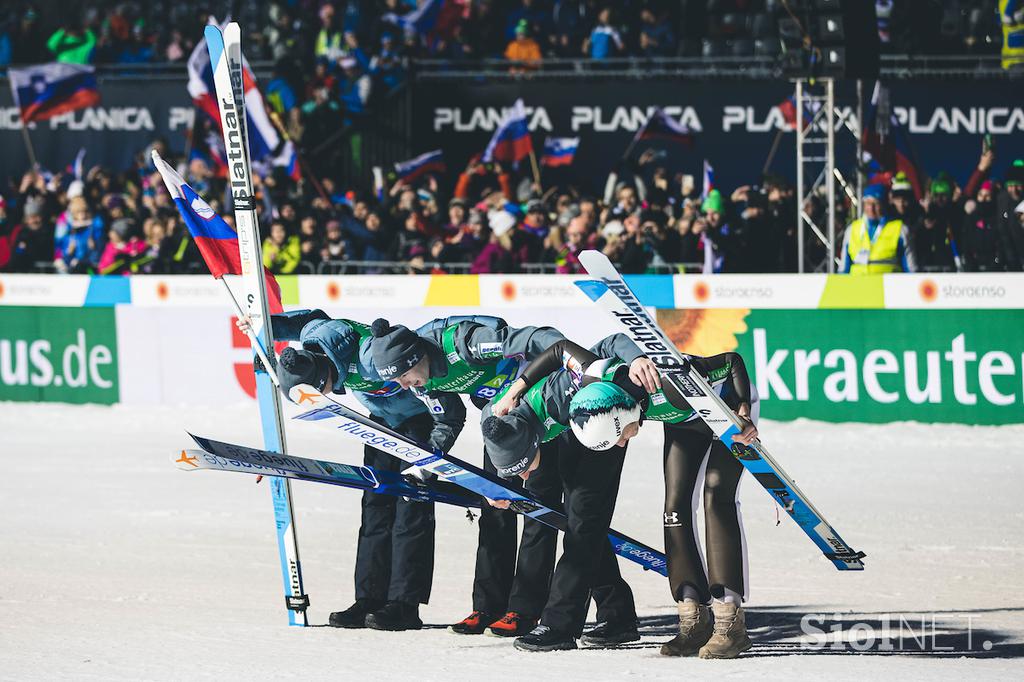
(559, 151)
(77, 167)
(266, 148)
(661, 126)
(708, 182)
(46, 90)
(430, 162)
(511, 141)
(217, 241)
(886, 141)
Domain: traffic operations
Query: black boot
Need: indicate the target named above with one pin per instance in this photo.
(355, 615)
(610, 634)
(543, 638)
(395, 616)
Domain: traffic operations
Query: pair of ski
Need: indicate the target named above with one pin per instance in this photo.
(610, 291)
(458, 482)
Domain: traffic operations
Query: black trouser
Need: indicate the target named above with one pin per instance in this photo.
(395, 555)
(588, 565)
(501, 582)
(691, 454)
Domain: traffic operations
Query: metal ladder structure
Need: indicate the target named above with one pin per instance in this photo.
(816, 165)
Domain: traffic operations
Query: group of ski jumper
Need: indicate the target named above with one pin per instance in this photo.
(556, 420)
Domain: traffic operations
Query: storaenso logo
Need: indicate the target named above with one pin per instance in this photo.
(58, 355)
(963, 366)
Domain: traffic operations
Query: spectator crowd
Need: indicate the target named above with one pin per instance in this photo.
(494, 219)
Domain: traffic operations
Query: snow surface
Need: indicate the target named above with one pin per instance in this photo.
(118, 566)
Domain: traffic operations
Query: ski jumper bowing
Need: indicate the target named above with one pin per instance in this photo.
(590, 485)
(395, 552)
(479, 357)
(609, 408)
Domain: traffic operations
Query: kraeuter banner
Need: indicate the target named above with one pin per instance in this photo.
(961, 366)
(735, 122)
(67, 355)
(131, 114)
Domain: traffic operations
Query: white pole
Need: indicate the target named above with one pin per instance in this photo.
(253, 339)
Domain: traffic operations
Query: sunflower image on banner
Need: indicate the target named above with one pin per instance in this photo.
(704, 332)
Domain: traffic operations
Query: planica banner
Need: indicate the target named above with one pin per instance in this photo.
(963, 366)
(58, 355)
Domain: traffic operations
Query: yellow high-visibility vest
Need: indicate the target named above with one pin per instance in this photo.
(1011, 15)
(874, 256)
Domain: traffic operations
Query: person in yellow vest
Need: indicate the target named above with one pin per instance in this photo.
(873, 245)
(1011, 16)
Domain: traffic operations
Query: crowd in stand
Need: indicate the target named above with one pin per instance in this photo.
(301, 31)
(496, 220)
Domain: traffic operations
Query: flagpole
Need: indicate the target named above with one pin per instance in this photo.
(299, 159)
(28, 146)
(536, 169)
(257, 346)
(772, 151)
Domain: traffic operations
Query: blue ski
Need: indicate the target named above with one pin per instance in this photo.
(226, 61)
(338, 418)
(612, 294)
(222, 456)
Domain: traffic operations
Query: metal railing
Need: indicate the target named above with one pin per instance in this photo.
(893, 66)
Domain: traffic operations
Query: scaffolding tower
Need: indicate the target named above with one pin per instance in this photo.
(816, 167)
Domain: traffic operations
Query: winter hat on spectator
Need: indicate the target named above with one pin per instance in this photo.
(123, 227)
(304, 366)
(876, 192)
(941, 185)
(901, 185)
(76, 189)
(501, 222)
(535, 206)
(395, 349)
(613, 229)
(713, 202)
(511, 441)
(33, 206)
(1015, 176)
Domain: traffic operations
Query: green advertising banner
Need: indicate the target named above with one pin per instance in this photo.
(964, 366)
(58, 355)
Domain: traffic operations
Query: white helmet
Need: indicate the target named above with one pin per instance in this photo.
(600, 412)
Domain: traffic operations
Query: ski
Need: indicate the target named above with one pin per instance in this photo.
(611, 293)
(220, 456)
(226, 60)
(338, 418)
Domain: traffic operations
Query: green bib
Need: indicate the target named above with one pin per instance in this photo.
(354, 380)
(482, 381)
(534, 398)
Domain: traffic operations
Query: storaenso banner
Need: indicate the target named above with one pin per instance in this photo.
(58, 355)
(963, 366)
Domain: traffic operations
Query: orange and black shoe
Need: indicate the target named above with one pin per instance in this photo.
(511, 625)
(473, 624)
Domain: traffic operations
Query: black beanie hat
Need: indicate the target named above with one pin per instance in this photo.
(304, 366)
(395, 349)
(511, 441)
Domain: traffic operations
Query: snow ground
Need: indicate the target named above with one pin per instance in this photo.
(118, 566)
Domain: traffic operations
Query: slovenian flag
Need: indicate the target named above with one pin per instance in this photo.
(46, 90)
(265, 144)
(887, 142)
(660, 126)
(511, 141)
(708, 183)
(217, 241)
(559, 151)
(431, 162)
